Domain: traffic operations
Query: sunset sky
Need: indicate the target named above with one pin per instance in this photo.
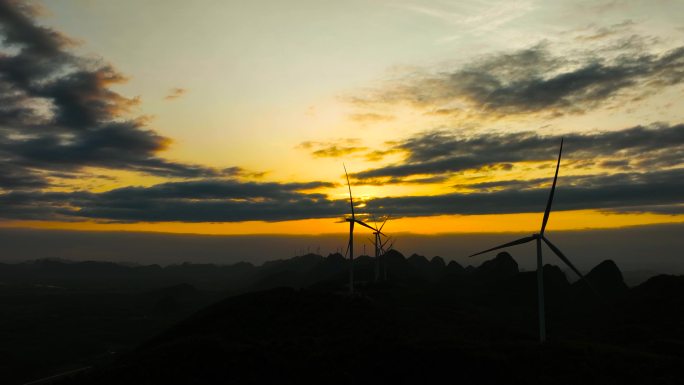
(234, 117)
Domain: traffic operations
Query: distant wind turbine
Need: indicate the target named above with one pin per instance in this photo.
(379, 251)
(540, 267)
(384, 251)
(350, 245)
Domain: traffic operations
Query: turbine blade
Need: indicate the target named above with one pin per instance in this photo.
(365, 225)
(351, 200)
(384, 243)
(383, 223)
(563, 258)
(553, 190)
(516, 242)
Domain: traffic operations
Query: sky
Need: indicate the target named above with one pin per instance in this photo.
(233, 117)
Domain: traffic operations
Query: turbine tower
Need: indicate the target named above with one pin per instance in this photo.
(383, 251)
(538, 238)
(350, 245)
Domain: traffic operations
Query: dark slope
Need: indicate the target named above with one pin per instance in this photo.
(477, 327)
(289, 336)
(426, 323)
(112, 276)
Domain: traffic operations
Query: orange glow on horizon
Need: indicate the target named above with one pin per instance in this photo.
(526, 222)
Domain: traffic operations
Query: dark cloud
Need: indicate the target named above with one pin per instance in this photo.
(347, 147)
(440, 152)
(175, 93)
(673, 209)
(218, 189)
(59, 113)
(398, 180)
(333, 149)
(231, 201)
(191, 201)
(644, 192)
(507, 184)
(83, 99)
(377, 155)
(17, 178)
(243, 173)
(536, 81)
(602, 33)
(583, 181)
(40, 48)
(336, 151)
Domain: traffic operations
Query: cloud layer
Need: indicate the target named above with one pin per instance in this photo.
(190, 201)
(445, 152)
(59, 114)
(536, 81)
(231, 201)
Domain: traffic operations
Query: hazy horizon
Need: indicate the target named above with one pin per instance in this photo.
(649, 248)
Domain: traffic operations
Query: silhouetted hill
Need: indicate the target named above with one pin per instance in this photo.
(316, 336)
(555, 277)
(606, 279)
(106, 275)
(670, 287)
(332, 269)
(437, 263)
(660, 302)
(428, 321)
(394, 254)
(297, 272)
(419, 262)
(502, 266)
(301, 263)
(427, 270)
(454, 269)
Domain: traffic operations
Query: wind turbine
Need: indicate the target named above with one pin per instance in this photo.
(379, 251)
(383, 251)
(538, 238)
(350, 245)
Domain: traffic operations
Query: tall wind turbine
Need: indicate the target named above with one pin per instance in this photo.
(350, 245)
(538, 238)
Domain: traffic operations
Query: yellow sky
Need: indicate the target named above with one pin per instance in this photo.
(260, 79)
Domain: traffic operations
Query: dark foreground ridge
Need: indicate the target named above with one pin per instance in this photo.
(429, 322)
